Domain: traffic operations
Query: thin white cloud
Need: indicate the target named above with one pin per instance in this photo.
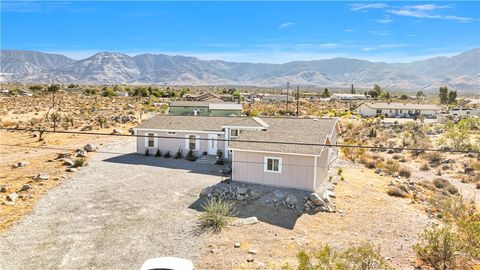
(379, 33)
(357, 7)
(385, 20)
(349, 30)
(285, 25)
(428, 11)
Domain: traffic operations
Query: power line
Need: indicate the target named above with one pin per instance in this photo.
(384, 148)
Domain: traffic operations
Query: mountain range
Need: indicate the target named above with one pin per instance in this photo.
(461, 72)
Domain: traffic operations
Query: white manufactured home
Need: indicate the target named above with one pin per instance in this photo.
(398, 110)
(282, 152)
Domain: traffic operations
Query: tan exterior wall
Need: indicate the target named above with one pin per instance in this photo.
(297, 171)
(172, 145)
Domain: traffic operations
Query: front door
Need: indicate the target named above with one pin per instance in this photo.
(212, 144)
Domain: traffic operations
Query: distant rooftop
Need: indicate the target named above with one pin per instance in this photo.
(403, 106)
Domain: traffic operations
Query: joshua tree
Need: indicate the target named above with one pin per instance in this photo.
(54, 88)
(56, 117)
(41, 130)
(68, 119)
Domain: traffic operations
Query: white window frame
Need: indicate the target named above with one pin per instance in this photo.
(265, 164)
(147, 139)
(187, 142)
(233, 137)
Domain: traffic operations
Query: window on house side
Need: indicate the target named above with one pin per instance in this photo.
(151, 140)
(192, 140)
(234, 133)
(171, 133)
(273, 164)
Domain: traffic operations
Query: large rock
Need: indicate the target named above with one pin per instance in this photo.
(67, 161)
(117, 131)
(21, 164)
(25, 187)
(42, 176)
(316, 200)
(81, 153)
(242, 190)
(279, 195)
(90, 148)
(3, 189)
(292, 199)
(12, 197)
(248, 221)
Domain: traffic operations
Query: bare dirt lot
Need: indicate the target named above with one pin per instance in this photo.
(113, 214)
(368, 214)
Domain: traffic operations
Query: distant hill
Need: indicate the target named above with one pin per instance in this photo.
(460, 72)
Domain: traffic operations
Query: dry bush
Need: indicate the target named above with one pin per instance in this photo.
(8, 123)
(424, 167)
(441, 183)
(397, 191)
(434, 158)
(390, 166)
(404, 172)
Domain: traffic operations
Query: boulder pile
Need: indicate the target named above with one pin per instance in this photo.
(284, 198)
(320, 203)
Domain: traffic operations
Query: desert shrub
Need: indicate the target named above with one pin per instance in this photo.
(452, 189)
(178, 155)
(434, 158)
(424, 167)
(147, 153)
(478, 185)
(158, 153)
(167, 154)
(397, 192)
(441, 183)
(404, 172)
(361, 256)
(391, 166)
(452, 207)
(216, 214)
(468, 228)
(78, 162)
(438, 247)
(339, 171)
(190, 156)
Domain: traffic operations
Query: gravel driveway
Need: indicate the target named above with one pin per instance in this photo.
(114, 214)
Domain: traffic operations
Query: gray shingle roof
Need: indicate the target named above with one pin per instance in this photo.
(301, 125)
(205, 123)
(189, 104)
(288, 137)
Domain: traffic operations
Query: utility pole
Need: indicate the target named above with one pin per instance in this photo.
(298, 98)
(353, 90)
(286, 106)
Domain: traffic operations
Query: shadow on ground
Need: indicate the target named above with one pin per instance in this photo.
(171, 163)
(263, 208)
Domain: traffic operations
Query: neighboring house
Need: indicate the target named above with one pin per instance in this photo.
(398, 110)
(348, 97)
(205, 108)
(23, 92)
(457, 114)
(277, 98)
(121, 94)
(227, 97)
(267, 151)
(210, 97)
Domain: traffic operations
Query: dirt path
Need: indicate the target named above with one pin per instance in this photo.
(114, 214)
(368, 214)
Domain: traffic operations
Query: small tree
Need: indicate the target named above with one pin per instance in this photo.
(452, 97)
(439, 247)
(326, 93)
(68, 119)
(158, 153)
(53, 89)
(41, 129)
(443, 95)
(102, 120)
(56, 117)
(147, 153)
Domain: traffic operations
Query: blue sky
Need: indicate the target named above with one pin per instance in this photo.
(274, 32)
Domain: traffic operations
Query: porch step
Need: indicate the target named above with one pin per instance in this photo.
(206, 159)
